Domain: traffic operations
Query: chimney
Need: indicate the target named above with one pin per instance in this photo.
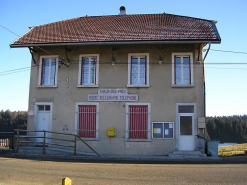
(122, 11)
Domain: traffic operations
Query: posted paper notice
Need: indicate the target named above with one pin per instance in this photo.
(166, 132)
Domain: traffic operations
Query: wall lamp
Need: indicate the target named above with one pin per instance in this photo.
(113, 62)
(113, 59)
(160, 60)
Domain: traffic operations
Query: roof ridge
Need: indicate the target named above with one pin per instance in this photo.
(86, 16)
(131, 28)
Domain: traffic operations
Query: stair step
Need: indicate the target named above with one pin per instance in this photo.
(187, 154)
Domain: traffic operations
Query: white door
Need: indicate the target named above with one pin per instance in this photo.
(186, 132)
(43, 121)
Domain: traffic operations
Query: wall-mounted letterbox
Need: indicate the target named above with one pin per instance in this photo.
(111, 132)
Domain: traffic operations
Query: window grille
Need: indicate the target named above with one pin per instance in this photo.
(138, 122)
(87, 121)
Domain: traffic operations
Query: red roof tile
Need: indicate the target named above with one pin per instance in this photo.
(121, 28)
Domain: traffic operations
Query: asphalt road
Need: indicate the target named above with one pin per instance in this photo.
(14, 171)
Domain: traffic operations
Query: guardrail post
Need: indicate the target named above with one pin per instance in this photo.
(75, 146)
(17, 142)
(44, 143)
(12, 141)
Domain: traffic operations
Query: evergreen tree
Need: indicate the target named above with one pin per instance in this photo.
(228, 128)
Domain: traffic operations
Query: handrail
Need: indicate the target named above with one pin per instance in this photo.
(51, 138)
(198, 136)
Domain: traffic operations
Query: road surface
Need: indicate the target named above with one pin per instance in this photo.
(14, 171)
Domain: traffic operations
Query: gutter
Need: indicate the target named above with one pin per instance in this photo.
(116, 42)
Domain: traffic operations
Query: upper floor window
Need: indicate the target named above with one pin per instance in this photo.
(48, 71)
(182, 73)
(88, 70)
(138, 70)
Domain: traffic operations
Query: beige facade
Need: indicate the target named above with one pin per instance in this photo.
(161, 95)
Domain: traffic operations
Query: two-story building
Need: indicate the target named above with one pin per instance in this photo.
(126, 84)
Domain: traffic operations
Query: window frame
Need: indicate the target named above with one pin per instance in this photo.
(163, 123)
(183, 54)
(50, 57)
(96, 84)
(130, 56)
(77, 120)
(127, 122)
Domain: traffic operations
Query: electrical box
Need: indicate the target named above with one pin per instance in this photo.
(201, 122)
(111, 132)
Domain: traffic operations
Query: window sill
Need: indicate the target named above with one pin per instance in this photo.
(183, 85)
(89, 139)
(137, 140)
(87, 86)
(138, 85)
(46, 86)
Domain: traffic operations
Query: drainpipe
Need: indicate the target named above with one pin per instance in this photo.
(204, 96)
(204, 84)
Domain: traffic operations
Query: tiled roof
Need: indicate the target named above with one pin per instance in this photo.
(121, 28)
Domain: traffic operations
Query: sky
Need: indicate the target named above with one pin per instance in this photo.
(226, 72)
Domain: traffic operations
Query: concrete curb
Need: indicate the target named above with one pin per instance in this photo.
(134, 159)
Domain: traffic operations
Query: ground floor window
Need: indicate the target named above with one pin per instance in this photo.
(137, 121)
(87, 120)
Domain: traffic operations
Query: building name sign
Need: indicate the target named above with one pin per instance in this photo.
(112, 95)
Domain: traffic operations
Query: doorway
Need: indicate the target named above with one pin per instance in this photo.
(186, 127)
(43, 120)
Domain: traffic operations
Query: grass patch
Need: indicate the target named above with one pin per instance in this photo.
(233, 150)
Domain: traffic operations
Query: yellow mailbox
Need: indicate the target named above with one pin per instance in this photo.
(111, 132)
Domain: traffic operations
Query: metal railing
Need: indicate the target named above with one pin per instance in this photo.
(45, 139)
(6, 140)
(205, 142)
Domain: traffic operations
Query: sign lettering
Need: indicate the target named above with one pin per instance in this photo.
(113, 95)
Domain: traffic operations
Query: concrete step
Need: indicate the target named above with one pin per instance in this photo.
(187, 154)
(51, 151)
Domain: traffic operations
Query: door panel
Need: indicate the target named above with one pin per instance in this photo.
(43, 121)
(186, 136)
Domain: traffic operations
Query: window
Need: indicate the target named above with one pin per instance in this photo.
(87, 120)
(182, 74)
(137, 121)
(44, 107)
(186, 109)
(48, 71)
(138, 70)
(88, 70)
(163, 130)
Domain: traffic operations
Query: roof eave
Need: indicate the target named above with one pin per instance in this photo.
(118, 42)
